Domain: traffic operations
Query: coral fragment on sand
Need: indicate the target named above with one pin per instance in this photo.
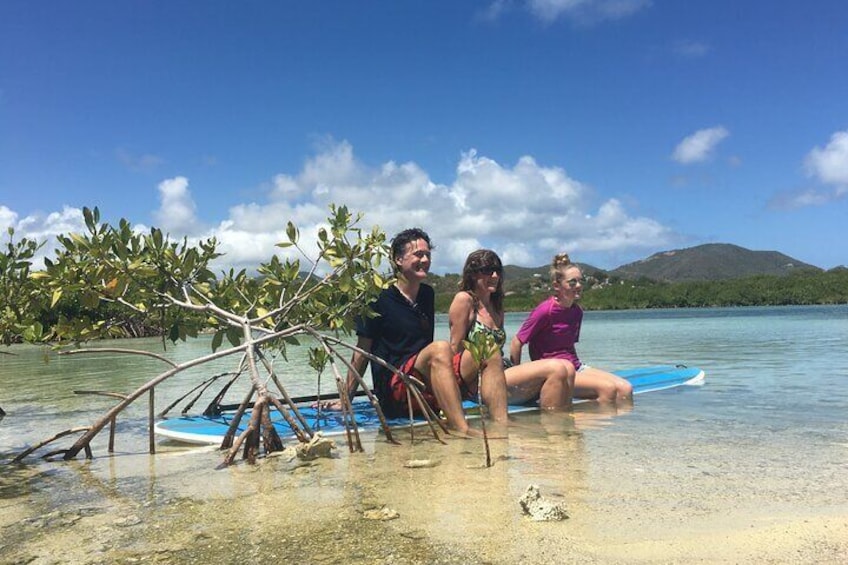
(540, 508)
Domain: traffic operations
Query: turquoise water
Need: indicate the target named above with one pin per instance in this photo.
(777, 371)
(764, 441)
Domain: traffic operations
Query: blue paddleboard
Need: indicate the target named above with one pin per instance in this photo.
(210, 430)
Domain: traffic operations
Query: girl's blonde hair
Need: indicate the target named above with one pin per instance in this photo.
(558, 266)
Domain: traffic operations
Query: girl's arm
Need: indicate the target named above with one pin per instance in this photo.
(515, 347)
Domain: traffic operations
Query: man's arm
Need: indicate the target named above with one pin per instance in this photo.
(359, 362)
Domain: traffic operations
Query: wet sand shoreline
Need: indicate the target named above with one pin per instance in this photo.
(175, 508)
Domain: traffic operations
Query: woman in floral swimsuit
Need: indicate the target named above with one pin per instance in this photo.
(478, 307)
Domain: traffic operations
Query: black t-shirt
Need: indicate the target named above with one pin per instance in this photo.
(400, 331)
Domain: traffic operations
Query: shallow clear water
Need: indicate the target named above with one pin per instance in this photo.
(767, 434)
(776, 371)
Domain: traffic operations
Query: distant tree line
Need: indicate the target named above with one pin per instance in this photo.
(30, 311)
(800, 288)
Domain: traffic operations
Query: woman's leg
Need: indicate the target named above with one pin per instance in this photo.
(493, 391)
(549, 380)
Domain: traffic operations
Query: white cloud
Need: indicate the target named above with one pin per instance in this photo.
(518, 253)
(799, 199)
(830, 164)
(699, 146)
(526, 212)
(690, 49)
(8, 218)
(176, 213)
(584, 11)
(495, 10)
(41, 228)
(45, 228)
(138, 163)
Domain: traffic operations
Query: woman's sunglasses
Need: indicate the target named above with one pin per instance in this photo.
(489, 270)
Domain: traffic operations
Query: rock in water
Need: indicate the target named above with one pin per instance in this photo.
(384, 513)
(420, 463)
(540, 508)
(318, 446)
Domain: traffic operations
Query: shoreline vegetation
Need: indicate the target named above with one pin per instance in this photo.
(113, 282)
(602, 292)
(801, 288)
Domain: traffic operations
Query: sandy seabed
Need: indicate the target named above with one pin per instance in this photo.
(623, 507)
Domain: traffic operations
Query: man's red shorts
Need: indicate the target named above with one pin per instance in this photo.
(398, 387)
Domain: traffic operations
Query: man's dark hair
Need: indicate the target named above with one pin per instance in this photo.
(401, 239)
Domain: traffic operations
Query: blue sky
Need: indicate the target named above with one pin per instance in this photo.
(609, 129)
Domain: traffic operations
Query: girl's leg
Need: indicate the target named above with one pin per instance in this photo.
(595, 384)
(549, 380)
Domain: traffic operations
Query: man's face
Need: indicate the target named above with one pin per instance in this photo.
(415, 262)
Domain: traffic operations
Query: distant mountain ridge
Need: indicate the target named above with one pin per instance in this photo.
(711, 261)
(678, 278)
(708, 262)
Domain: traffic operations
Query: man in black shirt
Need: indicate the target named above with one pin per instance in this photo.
(402, 335)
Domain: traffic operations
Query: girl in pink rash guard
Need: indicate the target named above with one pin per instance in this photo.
(553, 328)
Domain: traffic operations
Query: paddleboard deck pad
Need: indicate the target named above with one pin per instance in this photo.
(210, 430)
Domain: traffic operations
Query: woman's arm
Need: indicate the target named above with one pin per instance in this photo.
(460, 316)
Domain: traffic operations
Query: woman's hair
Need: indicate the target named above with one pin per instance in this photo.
(558, 265)
(475, 263)
(400, 241)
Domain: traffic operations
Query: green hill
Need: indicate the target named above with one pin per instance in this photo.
(678, 278)
(710, 262)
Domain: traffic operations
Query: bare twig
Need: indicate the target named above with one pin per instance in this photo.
(303, 423)
(201, 387)
(234, 423)
(481, 347)
(300, 434)
(85, 440)
(47, 441)
(412, 384)
(102, 393)
(270, 438)
(118, 350)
